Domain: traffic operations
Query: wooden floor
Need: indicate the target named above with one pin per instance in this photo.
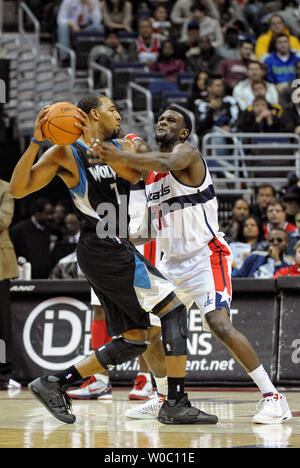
(24, 423)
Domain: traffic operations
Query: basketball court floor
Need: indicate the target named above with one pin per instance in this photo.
(24, 423)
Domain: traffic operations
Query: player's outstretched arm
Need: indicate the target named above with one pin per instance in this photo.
(28, 177)
(181, 157)
(130, 173)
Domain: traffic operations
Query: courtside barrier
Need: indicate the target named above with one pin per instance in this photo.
(52, 330)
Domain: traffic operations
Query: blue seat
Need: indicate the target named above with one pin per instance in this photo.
(145, 78)
(128, 66)
(185, 80)
(162, 87)
(122, 75)
(177, 97)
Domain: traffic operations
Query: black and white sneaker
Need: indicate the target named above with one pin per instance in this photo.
(182, 412)
(48, 391)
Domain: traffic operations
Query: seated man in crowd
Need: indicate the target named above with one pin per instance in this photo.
(293, 270)
(231, 228)
(110, 52)
(146, 48)
(264, 264)
(234, 71)
(262, 117)
(276, 26)
(276, 217)
(75, 16)
(265, 194)
(202, 56)
(291, 113)
(207, 26)
(243, 91)
(281, 63)
(230, 48)
(35, 238)
(219, 111)
(70, 240)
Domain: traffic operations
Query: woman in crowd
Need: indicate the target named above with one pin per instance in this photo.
(250, 237)
(117, 15)
(167, 62)
(199, 90)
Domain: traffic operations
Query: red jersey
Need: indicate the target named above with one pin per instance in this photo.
(293, 270)
(288, 227)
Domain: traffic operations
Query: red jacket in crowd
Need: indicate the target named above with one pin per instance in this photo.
(293, 270)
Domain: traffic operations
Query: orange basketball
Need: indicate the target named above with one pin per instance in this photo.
(59, 127)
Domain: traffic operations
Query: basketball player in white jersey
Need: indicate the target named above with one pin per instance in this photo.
(184, 216)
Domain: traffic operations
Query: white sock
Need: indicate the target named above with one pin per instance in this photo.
(262, 380)
(162, 385)
(147, 375)
(103, 377)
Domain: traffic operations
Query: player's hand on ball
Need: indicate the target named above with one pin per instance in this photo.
(41, 118)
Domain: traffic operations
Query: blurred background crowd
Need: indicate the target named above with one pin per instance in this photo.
(245, 59)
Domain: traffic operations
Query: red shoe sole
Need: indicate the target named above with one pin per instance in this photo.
(136, 397)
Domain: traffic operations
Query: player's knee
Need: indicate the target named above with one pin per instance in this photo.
(220, 325)
(154, 334)
(174, 331)
(138, 334)
(118, 351)
(99, 313)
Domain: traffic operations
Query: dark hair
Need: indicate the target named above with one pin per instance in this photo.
(262, 82)
(110, 6)
(275, 202)
(195, 89)
(186, 118)
(256, 63)
(278, 229)
(39, 205)
(245, 41)
(240, 235)
(212, 78)
(161, 57)
(276, 15)
(278, 36)
(263, 186)
(89, 102)
(198, 6)
(260, 98)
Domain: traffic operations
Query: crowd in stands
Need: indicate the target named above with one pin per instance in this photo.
(245, 57)
(251, 48)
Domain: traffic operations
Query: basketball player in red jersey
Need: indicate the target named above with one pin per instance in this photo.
(184, 216)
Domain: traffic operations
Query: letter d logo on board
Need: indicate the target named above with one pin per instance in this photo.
(55, 331)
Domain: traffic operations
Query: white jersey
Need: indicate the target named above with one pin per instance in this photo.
(185, 218)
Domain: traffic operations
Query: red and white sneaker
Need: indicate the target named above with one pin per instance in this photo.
(273, 409)
(148, 410)
(142, 388)
(92, 389)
